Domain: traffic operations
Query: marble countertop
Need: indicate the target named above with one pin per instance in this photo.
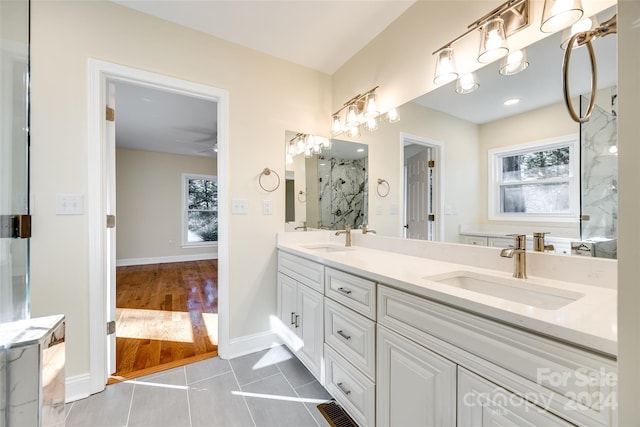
(590, 321)
(28, 331)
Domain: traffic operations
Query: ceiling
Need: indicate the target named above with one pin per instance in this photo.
(319, 34)
(154, 120)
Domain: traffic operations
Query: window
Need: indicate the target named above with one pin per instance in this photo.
(200, 210)
(535, 182)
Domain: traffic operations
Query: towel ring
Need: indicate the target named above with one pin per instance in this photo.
(383, 182)
(267, 172)
(302, 198)
(582, 38)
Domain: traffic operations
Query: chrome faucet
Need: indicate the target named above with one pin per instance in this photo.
(538, 243)
(303, 226)
(519, 255)
(366, 230)
(347, 232)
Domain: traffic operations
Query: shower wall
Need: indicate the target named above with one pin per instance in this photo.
(342, 192)
(599, 158)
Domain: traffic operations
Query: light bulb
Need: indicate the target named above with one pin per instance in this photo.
(493, 42)
(445, 67)
(514, 63)
(352, 116)
(560, 14)
(467, 83)
(372, 124)
(292, 148)
(392, 115)
(336, 126)
(354, 131)
(371, 105)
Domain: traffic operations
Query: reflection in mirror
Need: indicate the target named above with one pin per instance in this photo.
(329, 189)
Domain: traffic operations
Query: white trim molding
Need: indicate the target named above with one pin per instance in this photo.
(251, 343)
(99, 72)
(77, 387)
(126, 262)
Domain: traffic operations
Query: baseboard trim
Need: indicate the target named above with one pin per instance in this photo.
(77, 387)
(250, 344)
(163, 259)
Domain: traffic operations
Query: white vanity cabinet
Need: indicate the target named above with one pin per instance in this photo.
(350, 351)
(484, 404)
(415, 387)
(300, 308)
(574, 384)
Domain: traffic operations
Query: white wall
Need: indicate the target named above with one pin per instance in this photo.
(266, 96)
(149, 205)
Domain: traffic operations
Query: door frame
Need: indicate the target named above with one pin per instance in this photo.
(438, 157)
(98, 73)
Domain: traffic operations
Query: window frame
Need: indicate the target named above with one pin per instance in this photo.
(185, 210)
(494, 173)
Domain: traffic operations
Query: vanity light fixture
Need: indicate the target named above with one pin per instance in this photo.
(307, 144)
(467, 83)
(514, 63)
(495, 27)
(560, 14)
(361, 109)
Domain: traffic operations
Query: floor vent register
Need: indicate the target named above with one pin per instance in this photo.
(335, 415)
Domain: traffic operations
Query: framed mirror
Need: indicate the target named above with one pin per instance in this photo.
(328, 188)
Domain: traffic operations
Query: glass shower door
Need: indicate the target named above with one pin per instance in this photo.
(14, 160)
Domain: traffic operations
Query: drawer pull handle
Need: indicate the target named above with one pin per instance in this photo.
(343, 335)
(293, 313)
(344, 390)
(345, 291)
(297, 318)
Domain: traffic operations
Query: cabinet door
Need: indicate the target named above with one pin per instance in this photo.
(287, 309)
(484, 404)
(311, 327)
(415, 387)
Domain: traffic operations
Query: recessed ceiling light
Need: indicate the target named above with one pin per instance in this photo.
(360, 150)
(512, 101)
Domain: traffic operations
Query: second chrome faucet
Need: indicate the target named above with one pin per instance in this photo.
(519, 254)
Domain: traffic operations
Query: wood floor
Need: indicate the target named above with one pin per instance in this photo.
(166, 316)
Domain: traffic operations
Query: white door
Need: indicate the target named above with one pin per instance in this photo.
(415, 387)
(419, 195)
(311, 328)
(110, 209)
(484, 404)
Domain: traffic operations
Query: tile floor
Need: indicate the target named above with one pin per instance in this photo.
(269, 388)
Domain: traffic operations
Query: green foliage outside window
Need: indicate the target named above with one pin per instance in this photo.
(202, 210)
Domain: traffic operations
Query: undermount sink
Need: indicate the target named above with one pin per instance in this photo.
(325, 248)
(517, 290)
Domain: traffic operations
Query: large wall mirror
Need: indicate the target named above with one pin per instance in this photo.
(566, 172)
(326, 187)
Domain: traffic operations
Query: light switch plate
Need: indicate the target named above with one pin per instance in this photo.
(239, 206)
(69, 204)
(267, 207)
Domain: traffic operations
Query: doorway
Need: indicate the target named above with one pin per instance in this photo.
(422, 188)
(165, 240)
(102, 294)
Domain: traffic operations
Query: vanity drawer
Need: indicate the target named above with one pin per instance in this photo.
(304, 271)
(351, 335)
(573, 383)
(352, 389)
(355, 292)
